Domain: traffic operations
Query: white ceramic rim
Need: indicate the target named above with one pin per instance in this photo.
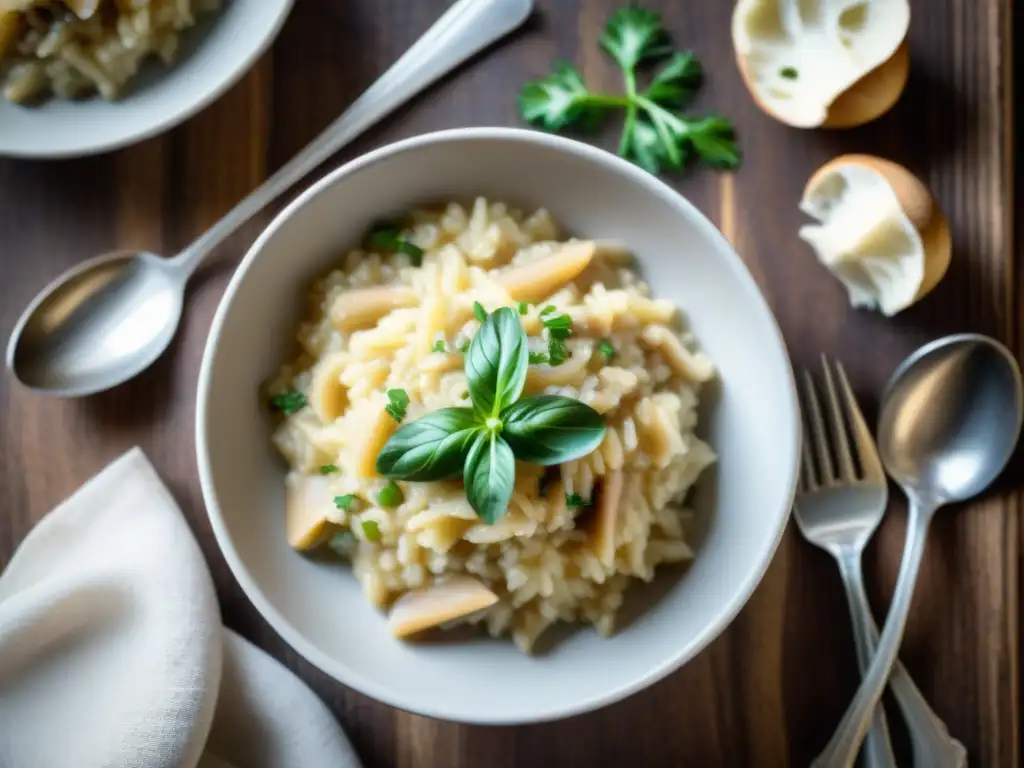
(351, 677)
(173, 119)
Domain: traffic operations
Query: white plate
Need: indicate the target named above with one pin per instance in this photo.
(214, 55)
(319, 607)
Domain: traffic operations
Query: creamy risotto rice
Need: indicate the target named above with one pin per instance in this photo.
(574, 536)
(75, 48)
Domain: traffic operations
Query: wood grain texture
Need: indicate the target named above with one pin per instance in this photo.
(769, 691)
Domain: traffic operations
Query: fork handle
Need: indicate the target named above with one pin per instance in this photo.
(933, 747)
(877, 751)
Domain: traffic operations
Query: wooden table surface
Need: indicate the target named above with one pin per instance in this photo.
(768, 691)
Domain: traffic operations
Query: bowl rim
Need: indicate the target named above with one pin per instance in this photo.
(353, 678)
(189, 107)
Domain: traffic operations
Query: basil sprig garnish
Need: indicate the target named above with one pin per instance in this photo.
(551, 429)
(482, 443)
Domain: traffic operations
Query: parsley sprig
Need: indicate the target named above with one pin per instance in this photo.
(654, 136)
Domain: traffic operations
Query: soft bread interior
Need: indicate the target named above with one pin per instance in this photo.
(864, 237)
(799, 56)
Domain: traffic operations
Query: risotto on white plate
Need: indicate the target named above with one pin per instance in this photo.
(76, 48)
(494, 424)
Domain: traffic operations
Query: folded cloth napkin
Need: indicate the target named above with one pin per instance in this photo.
(112, 652)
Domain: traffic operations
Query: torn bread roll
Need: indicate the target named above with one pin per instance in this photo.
(879, 231)
(823, 63)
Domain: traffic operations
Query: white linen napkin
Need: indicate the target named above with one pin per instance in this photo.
(112, 652)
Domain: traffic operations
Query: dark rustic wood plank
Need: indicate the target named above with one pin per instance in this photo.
(769, 691)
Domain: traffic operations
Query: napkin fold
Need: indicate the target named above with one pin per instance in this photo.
(112, 652)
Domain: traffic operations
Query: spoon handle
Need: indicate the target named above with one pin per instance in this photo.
(841, 751)
(468, 27)
(930, 741)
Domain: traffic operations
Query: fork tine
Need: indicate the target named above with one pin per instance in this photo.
(867, 452)
(817, 432)
(838, 427)
(808, 482)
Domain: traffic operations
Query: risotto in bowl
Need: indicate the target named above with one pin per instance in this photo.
(84, 76)
(463, 426)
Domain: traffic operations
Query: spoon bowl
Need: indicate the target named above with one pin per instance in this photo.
(951, 417)
(98, 324)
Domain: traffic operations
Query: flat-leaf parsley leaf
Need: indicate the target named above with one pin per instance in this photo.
(654, 136)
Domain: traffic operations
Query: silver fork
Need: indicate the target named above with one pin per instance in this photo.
(838, 508)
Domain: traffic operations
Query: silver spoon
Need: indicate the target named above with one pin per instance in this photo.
(950, 420)
(106, 320)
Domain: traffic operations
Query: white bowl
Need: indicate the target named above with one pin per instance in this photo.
(214, 55)
(319, 608)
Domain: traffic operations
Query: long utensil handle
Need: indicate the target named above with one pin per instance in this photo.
(932, 745)
(841, 751)
(877, 751)
(467, 28)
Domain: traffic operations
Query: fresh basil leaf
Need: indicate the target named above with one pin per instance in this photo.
(551, 429)
(489, 476)
(496, 363)
(431, 448)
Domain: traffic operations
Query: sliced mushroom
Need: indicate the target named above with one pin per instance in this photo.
(422, 609)
(378, 430)
(536, 281)
(606, 518)
(308, 498)
(363, 307)
(684, 362)
(655, 433)
(327, 395)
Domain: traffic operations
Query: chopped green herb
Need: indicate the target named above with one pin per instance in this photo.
(439, 346)
(548, 310)
(344, 544)
(789, 73)
(557, 352)
(329, 469)
(654, 136)
(523, 307)
(559, 329)
(390, 496)
(345, 502)
(398, 402)
(575, 500)
(371, 530)
(390, 237)
(479, 311)
(606, 349)
(558, 322)
(288, 402)
(537, 358)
